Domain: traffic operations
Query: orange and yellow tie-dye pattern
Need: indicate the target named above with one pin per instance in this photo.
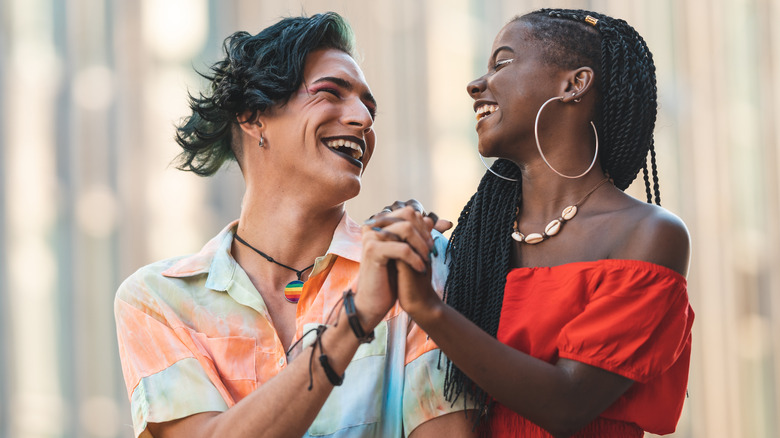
(195, 336)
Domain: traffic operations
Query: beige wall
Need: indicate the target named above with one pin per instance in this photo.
(90, 90)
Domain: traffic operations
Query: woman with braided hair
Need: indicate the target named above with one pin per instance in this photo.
(566, 305)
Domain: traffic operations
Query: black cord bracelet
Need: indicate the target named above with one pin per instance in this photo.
(330, 373)
(354, 322)
(333, 378)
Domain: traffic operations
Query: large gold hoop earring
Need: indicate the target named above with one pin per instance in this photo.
(539, 147)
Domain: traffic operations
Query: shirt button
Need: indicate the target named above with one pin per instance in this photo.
(281, 361)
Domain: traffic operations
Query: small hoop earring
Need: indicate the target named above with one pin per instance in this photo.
(481, 158)
(261, 143)
(539, 147)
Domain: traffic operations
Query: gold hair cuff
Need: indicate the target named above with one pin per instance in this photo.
(590, 20)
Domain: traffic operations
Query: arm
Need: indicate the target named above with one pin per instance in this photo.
(267, 410)
(561, 397)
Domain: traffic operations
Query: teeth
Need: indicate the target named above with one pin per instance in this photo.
(354, 148)
(486, 110)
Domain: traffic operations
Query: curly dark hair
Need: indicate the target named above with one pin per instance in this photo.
(480, 248)
(257, 73)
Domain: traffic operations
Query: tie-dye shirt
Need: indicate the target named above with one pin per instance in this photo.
(195, 336)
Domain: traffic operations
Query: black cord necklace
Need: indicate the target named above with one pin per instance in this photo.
(292, 292)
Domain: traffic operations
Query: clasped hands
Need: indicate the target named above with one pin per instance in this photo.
(396, 262)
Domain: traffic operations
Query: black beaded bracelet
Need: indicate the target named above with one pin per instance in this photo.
(354, 322)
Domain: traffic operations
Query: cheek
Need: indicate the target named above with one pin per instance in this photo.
(370, 145)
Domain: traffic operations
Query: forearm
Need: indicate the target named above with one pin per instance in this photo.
(520, 382)
(281, 407)
(560, 397)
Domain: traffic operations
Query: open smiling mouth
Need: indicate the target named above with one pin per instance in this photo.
(349, 147)
(485, 111)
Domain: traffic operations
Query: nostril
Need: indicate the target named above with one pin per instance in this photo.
(476, 86)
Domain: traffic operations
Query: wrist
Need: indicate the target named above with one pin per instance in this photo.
(426, 311)
(356, 323)
(366, 314)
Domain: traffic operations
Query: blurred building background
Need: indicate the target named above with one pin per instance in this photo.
(90, 90)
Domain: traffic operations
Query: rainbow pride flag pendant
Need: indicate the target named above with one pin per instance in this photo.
(292, 292)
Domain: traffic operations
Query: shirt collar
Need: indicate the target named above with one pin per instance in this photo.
(347, 239)
(216, 260)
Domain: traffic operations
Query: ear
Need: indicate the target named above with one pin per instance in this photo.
(578, 83)
(250, 124)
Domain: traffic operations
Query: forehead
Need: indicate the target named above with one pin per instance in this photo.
(333, 63)
(516, 35)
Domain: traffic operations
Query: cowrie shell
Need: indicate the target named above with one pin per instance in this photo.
(553, 228)
(569, 212)
(534, 238)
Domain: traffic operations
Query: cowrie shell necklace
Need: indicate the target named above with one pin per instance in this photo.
(555, 225)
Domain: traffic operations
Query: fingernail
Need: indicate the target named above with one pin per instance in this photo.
(370, 221)
(376, 228)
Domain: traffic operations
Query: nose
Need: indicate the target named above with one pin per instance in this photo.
(476, 87)
(357, 114)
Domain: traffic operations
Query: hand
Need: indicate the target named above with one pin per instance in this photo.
(415, 293)
(440, 225)
(402, 235)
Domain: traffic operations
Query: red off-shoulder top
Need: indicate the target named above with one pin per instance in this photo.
(625, 316)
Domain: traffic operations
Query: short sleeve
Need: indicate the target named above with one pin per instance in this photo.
(165, 379)
(637, 323)
(423, 397)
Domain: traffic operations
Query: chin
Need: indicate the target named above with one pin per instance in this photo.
(350, 188)
(486, 149)
(497, 148)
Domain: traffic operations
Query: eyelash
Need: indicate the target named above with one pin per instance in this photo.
(332, 91)
(503, 63)
(336, 93)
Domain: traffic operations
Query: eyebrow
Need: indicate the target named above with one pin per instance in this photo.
(500, 49)
(347, 86)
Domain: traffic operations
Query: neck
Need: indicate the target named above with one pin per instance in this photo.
(546, 194)
(285, 229)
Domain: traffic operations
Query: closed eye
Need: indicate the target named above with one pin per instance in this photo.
(327, 84)
(332, 91)
(502, 63)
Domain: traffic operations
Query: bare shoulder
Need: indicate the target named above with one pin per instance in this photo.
(656, 235)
